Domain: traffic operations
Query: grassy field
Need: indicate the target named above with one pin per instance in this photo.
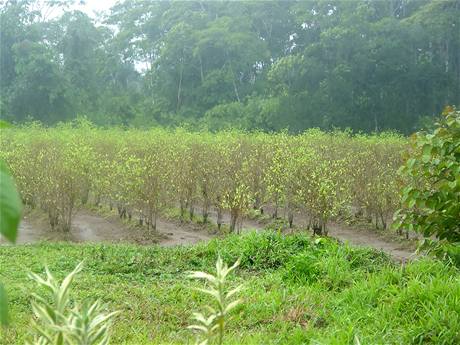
(297, 291)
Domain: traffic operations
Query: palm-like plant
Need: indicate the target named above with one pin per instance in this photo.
(214, 324)
(57, 324)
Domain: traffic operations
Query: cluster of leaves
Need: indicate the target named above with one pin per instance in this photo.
(322, 175)
(431, 199)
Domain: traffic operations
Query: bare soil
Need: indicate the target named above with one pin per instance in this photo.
(247, 224)
(90, 227)
(364, 235)
(399, 250)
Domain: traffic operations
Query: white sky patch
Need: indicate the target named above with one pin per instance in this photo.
(89, 7)
(92, 7)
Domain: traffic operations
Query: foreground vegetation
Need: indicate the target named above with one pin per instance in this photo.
(296, 290)
(324, 175)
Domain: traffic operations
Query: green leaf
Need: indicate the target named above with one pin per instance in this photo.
(411, 202)
(426, 151)
(3, 306)
(10, 205)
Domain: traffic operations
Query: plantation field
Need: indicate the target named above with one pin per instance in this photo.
(317, 176)
(297, 291)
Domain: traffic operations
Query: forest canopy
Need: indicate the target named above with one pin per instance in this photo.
(269, 65)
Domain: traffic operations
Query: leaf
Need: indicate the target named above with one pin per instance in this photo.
(232, 305)
(356, 340)
(203, 275)
(214, 293)
(234, 291)
(10, 205)
(3, 307)
(426, 152)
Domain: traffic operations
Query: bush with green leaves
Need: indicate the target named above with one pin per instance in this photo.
(430, 202)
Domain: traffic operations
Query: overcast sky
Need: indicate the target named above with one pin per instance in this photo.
(92, 6)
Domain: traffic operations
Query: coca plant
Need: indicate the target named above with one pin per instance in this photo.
(142, 172)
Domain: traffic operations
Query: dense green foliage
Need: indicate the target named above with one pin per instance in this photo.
(367, 65)
(325, 176)
(431, 199)
(10, 215)
(296, 291)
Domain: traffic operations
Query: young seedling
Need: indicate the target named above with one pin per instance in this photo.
(213, 325)
(57, 324)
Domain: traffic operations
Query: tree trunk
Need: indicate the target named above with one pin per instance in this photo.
(275, 211)
(191, 211)
(154, 221)
(53, 218)
(179, 88)
(235, 88)
(201, 69)
(67, 217)
(239, 225)
(384, 223)
(205, 211)
(182, 211)
(233, 219)
(219, 218)
(317, 229)
(85, 196)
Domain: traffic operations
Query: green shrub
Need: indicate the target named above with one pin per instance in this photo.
(431, 199)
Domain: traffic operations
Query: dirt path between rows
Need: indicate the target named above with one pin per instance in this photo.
(90, 227)
(400, 251)
(369, 238)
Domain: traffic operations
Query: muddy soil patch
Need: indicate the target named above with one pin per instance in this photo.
(93, 228)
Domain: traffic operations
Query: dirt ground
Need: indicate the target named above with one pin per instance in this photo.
(369, 238)
(365, 235)
(91, 227)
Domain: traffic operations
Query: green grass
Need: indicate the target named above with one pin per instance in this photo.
(297, 291)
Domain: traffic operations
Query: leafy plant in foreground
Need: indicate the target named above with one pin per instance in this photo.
(431, 200)
(57, 324)
(214, 324)
(10, 215)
